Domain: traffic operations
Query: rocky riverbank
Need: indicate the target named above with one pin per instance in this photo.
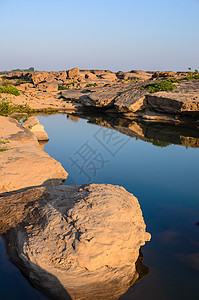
(121, 92)
(71, 242)
(22, 161)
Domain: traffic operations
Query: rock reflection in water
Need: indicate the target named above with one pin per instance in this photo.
(73, 118)
(42, 144)
(79, 242)
(159, 134)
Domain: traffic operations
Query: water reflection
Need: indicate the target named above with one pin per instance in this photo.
(73, 118)
(159, 134)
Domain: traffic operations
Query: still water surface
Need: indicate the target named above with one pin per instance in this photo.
(165, 181)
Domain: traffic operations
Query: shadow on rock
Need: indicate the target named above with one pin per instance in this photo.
(72, 241)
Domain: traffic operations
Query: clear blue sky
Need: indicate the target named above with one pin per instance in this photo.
(102, 34)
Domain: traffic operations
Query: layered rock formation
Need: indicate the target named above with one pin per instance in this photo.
(75, 241)
(23, 163)
(76, 89)
(127, 98)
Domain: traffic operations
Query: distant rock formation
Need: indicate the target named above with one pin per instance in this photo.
(176, 101)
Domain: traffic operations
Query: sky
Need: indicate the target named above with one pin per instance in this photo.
(99, 34)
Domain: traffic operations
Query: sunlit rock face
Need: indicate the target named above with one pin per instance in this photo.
(33, 124)
(79, 242)
(23, 163)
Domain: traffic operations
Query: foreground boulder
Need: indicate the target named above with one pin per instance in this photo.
(23, 163)
(79, 242)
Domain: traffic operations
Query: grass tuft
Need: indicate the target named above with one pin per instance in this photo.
(91, 84)
(9, 90)
(165, 85)
(4, 142)
(3, 149)
(61, 88)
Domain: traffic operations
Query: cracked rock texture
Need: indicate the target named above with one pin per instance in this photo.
(79, 242)
(123, 92)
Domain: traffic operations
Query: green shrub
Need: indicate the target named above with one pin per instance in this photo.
(191, 77)
(165, 85)
(24, 119)
(158, 143)
(91, 84)
(3, 149)
(6, 108)
(61, 88)
(23, 108)
(9, 90)
(72, 83)
(132, 80)
(4, 142)
(174, 80)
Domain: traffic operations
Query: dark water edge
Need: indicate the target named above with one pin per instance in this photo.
(13, 285)
(164, 178)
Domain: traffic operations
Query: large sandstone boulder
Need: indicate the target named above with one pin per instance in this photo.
(132, 100)
(73, 73)
(109, 76)
(174, 103)
(48, 86)
(38, 77)
(123, 97)
(142, 75)
(81, 241)
(33, 124)
(164, 75)
(24, 164)
(91, 76)
(62, 75)
(134, 75)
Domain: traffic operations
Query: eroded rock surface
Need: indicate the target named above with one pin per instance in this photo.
(23, 163)
(81, 241)
(33, 124)
(167, 107)
(76, 90)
